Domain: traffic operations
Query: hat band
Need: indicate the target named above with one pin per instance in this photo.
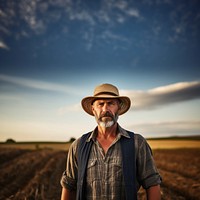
(106, 93)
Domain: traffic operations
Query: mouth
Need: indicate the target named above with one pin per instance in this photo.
(106, 118)
(107, 114)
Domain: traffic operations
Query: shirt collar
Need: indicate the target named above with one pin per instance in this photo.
(120, 130)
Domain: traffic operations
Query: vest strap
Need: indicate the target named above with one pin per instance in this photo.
(128, 165)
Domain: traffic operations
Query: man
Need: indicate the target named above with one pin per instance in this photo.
(109, 162)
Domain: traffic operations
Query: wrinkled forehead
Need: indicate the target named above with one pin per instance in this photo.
(101, 100)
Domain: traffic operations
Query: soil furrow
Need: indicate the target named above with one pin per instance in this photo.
(185, 162)
(45, 184)
(21, 172)
(7, 155)
(184, 186)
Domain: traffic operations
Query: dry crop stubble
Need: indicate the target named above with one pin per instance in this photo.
(28, 175)
(35, 174)
(180, 170)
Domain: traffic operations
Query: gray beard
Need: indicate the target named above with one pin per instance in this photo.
(106, 124)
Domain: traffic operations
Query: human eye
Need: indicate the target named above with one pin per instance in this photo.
(111, 103)
(100, 104)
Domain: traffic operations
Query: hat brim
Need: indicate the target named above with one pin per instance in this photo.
(87, 103)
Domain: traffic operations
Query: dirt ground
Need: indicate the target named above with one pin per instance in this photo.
(35, 174)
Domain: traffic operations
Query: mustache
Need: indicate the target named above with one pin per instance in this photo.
(106, 114)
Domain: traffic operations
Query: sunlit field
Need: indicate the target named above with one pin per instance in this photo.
(155, 144)
(173, 144)
(35, 172)
(180, 171)
(37, 145)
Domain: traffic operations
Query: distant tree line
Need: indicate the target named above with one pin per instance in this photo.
(10, 141)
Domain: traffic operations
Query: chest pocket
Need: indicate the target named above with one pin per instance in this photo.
(94, 170)
(99, 170)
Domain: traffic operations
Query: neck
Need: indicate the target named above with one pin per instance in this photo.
(106, 132)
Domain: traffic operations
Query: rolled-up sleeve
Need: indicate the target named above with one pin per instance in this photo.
(69, 176)
(147, 172)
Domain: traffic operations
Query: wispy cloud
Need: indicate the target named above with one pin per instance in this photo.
(166, 128)
(38, 16)
(40, 85)
(160, 96)
(82, 16)
(108, 35)
(126, 8)
(141, 100)
(133, 13)
(3, 45)
(154, 98)
(96, 18)
(183, 22)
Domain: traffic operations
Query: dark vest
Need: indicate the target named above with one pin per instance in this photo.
(128, 165)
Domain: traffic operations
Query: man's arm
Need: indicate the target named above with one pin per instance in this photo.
(69, 176)
(153, 193)
(67, 194)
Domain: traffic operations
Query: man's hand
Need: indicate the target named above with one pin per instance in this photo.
(153, 193)
(68, 195)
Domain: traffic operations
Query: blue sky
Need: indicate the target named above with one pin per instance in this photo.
(53, 53)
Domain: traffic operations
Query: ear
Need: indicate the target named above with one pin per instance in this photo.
(119, 105)
(92, 109)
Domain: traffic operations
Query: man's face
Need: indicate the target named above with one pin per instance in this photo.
(106, 111)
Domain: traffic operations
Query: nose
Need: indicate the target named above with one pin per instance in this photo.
(105, 107)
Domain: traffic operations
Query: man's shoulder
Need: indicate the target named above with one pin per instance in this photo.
(138, 137)
(74, 144)
(139, 140)
(83, 137)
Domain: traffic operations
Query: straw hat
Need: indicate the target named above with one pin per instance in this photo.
(106, 91)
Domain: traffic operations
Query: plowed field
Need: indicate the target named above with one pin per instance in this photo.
(35, 174)
(31, 174)
(180, 170)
